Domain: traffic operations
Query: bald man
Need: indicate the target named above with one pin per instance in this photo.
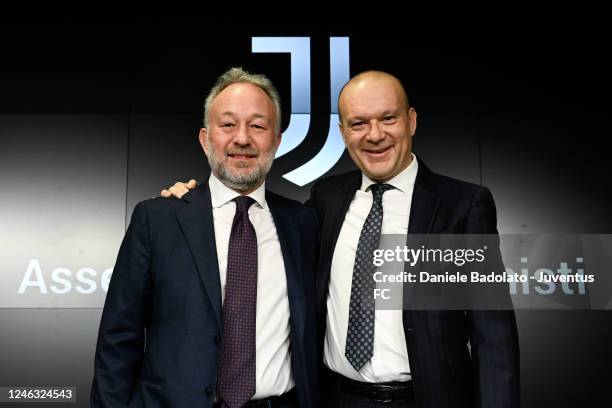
(410, 358)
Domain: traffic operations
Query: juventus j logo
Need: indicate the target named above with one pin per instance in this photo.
(299, 123)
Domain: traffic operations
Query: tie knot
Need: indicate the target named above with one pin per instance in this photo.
(243, 203)
(379, 189)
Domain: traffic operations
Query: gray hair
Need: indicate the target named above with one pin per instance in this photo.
(238, 75)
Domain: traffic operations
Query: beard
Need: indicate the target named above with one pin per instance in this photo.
(239, 181)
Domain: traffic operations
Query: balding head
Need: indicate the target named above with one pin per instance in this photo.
(362, 79)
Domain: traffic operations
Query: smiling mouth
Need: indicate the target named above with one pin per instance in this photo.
(377, 152)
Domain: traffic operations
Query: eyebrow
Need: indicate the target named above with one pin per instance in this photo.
(389, 112)
(362, 117)
(233, 115)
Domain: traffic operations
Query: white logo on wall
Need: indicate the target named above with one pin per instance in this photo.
(299, 123)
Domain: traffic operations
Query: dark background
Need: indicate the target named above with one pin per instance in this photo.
(97, 117)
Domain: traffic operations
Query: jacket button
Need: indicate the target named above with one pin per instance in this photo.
(208, 391)
(217, 339)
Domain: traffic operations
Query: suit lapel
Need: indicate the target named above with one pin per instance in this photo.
(196, 221)
(290, 242)
(425, 202)
(423, 210)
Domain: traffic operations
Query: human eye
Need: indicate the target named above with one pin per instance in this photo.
(389, 119)
(357, 125)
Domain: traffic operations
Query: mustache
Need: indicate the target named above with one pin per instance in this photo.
(242, 151)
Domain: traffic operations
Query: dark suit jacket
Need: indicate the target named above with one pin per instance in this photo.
(443, 371)
(161, 326)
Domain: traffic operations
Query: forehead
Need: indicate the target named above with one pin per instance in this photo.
(371, 97)
(243, 99)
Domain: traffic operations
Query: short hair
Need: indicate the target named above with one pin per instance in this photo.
(237, 75)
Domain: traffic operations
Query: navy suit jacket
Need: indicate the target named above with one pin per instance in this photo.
(158, 344)
(444, 372)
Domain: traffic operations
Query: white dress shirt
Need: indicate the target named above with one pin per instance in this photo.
(273, 356)
(390, 359)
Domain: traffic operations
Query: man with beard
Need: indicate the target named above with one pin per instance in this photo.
(211, 302)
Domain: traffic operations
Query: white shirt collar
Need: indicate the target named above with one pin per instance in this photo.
(404, 181)
(220, 194)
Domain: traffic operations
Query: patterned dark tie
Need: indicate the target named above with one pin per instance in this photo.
(237, 355)
(360, 333)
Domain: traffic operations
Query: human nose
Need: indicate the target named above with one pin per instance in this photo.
(242, 137)
(375, 134)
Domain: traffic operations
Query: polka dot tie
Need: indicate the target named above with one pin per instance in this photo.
(236, 382)
(360, 333)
